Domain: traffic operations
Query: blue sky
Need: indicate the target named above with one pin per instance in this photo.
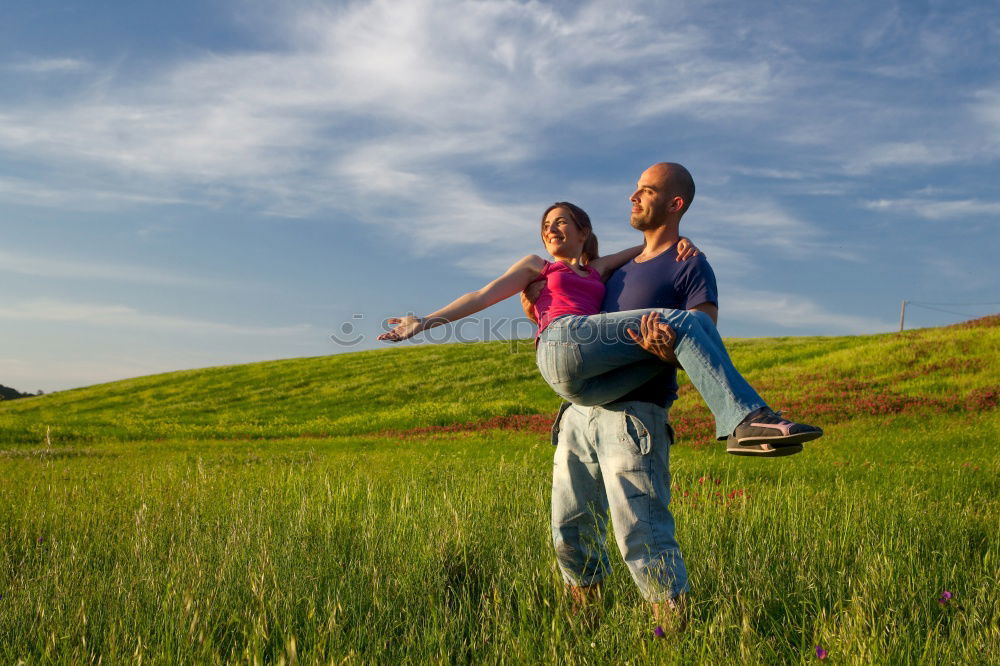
(202, 183)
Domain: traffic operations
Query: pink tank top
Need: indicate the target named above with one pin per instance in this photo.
(565, 292)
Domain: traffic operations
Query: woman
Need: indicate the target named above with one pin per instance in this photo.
(593, 359)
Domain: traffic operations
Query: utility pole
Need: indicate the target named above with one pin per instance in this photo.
(902, 316)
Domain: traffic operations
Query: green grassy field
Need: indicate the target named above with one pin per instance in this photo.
(393, 506)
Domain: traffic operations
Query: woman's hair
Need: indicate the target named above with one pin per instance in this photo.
(582, 221)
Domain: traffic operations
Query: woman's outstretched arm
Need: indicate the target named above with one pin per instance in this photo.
(513, 281)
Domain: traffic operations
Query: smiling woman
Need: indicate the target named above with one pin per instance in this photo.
(563, 222)
(567, 234)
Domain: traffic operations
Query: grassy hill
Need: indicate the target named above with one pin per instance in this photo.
(392, 507)
(824, 379)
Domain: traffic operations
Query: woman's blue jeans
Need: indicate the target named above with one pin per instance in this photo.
(591, 360)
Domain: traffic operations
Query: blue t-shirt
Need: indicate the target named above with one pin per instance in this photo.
(661, 282)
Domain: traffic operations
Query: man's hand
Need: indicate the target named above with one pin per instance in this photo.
(529, 296)
(656, 337)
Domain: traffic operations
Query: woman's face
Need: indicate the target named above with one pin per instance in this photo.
(561, 236)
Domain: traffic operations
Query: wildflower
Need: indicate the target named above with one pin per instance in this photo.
(945, 597)
(718, 481)
(701, 480)
(659, 633)
(820, 653)
(40, 540)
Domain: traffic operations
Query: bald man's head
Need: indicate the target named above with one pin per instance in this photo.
(663, 194)
(677, 182)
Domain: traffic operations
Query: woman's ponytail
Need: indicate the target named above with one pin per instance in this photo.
(590, 248)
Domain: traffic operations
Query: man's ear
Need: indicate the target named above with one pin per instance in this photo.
(676, 204)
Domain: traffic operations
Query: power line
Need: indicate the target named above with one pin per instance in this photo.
(933, 306)
(927, 307)
(949, 303)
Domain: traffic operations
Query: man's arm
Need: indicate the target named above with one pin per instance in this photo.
(529, 296)
(711, 309)
(658, 338)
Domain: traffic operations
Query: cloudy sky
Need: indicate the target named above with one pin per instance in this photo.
(188, 184)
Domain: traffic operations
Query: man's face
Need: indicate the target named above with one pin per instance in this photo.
(650, 201)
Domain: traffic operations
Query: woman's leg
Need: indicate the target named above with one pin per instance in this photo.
(592, 360)
(701, 352)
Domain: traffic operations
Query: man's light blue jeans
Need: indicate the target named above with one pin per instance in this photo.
(615, 460)
(591, 360)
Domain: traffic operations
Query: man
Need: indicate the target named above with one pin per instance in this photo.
(615, 459)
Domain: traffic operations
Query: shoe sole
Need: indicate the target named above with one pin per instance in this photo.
(766, 450)
(770, 447)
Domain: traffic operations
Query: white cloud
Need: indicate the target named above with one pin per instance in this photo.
(54, 311)
(384, 110)
(761, 222)
(796, 312)
(52, 267)
(23, 191)
(776, 174)
(987, 109)
(713, 93)
(49, 65)
(935, 209)
(902, 153)
(439, 88)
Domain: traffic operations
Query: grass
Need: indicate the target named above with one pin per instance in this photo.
(367, 508)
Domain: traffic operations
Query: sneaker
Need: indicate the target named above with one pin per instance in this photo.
(765, 433)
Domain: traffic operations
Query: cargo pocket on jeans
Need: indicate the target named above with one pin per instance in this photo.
(635, 434)
(555, 424)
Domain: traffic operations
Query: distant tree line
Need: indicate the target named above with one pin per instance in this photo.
(7, 393)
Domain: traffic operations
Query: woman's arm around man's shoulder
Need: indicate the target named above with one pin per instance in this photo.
(609, 264)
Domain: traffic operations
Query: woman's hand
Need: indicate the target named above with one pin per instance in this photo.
(405, 328)
(686, 249)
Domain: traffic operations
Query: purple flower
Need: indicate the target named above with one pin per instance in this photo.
(40, 540)
(820, 652)
(945, 597)
(659, 633)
